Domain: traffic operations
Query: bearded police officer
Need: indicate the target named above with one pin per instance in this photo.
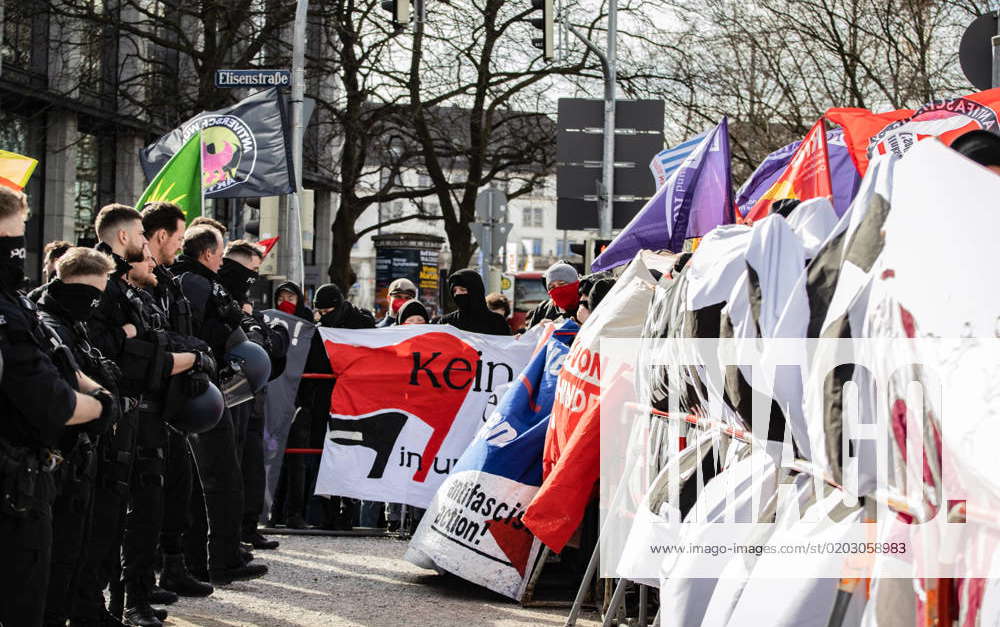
(146, 502)
(39, 403)
(164, 225)
(120, 330)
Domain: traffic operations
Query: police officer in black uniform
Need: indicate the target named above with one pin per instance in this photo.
(164, 224)
(238, 274)
(65, 304)
(146, 503)
(120, 330)
(39, 403)
(212, 545)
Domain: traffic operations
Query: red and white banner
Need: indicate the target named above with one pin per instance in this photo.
(407, 402)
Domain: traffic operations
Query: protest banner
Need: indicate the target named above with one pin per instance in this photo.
(281, 393)
(571, 461)
(407, 403)
(473, 526)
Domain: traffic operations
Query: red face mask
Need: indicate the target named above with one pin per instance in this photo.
(396, 303)
(287, 306)
(566, 296)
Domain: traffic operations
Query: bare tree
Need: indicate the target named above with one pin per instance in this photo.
(774, 68)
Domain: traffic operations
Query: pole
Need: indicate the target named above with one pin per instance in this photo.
(486, 246)
(607, 185)
(996, 54)
(296, 271)
(607, 210)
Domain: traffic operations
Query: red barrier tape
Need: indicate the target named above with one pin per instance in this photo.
(304, 451)
(313, 375)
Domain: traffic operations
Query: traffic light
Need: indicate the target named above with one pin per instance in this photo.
(546, 23)
(594, 248)
(400, 10)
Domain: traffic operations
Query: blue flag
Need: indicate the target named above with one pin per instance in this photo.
(473, 526)
(666, 161)
(695, 199)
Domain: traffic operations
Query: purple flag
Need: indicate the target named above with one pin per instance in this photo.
(843, 174)
(695, 199)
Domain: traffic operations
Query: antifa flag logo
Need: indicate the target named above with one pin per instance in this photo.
(426, 377)
(941, 117)
(228, 151)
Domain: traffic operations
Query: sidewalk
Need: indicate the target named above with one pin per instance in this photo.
(354, 581)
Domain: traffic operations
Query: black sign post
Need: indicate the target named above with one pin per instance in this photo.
(580, 138)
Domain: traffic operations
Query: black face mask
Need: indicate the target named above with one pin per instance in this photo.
(12, 254)
(462, 301)
(330, 318)
(237, 279)
(79, 300)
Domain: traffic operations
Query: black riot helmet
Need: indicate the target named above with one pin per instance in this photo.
(253, 361)
(192, 415)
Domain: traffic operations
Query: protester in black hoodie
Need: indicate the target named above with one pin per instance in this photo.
(288, 507)
(467, 290)
(309, 428)
(413, 312)
(288, 297)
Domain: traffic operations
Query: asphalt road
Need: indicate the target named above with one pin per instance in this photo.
(323, 580)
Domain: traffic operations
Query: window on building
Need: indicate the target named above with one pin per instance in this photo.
(85, 205)
(16, 48)
(424, 181)
(533, 217)
(534, 245)
(13, 133)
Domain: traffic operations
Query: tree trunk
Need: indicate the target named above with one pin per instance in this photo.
(460, 242)
(340, 271)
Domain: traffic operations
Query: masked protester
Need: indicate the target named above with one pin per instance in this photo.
(469, 294)
(400, 291)
(288, 298)
(562, 283)
(413, 312)
(309, 428)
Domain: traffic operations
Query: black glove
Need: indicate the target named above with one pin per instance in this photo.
(194, 383)
(204, 363)
(110, 412)
(231, 312)
(111, 372)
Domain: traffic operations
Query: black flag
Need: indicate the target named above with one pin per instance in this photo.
(245, 149)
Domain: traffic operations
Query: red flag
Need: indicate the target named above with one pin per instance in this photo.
(806, 176)
(268, 244)
(870, 134)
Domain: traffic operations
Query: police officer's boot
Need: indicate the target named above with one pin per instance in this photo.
(138, 611)
(176, 578)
